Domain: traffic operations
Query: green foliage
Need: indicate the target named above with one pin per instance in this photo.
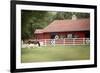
(63, 15)
(32, 20)
(68, 15)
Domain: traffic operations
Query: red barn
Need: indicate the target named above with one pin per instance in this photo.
(70, 28)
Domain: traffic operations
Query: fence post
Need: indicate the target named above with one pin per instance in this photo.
(45, 42)
(83, 41)
(64, 41)
(54, 42)
(73, 41)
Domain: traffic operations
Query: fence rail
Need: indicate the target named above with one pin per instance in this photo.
(66, 41)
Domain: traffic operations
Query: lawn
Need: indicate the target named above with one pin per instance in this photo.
(55, 53)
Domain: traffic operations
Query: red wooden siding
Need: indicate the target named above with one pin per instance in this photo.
(80, 34)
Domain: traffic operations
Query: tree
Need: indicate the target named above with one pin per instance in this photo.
(31, 20)
(68, 15)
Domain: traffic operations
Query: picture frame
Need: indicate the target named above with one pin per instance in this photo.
(17, 6)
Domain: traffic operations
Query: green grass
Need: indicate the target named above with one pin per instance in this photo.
(55, 53)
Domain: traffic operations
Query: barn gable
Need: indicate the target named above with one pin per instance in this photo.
(66, 25)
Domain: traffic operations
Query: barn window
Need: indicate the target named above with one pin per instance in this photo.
(76, 36)
(56, 37)
(69, 35)
(62, 36)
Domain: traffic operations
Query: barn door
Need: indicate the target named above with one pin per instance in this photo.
(53, 34)
(87, 34)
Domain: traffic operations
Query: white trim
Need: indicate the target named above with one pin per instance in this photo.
(51, 64)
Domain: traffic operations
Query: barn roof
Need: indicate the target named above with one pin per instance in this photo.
(68, 25)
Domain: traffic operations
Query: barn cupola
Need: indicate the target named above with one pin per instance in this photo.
(74, 17)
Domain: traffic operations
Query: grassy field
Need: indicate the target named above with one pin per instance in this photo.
(57, 53)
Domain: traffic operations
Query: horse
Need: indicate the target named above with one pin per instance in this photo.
(34, 42)
(30, 44)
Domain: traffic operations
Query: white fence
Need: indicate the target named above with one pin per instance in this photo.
(53, 42)
(66, 41)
